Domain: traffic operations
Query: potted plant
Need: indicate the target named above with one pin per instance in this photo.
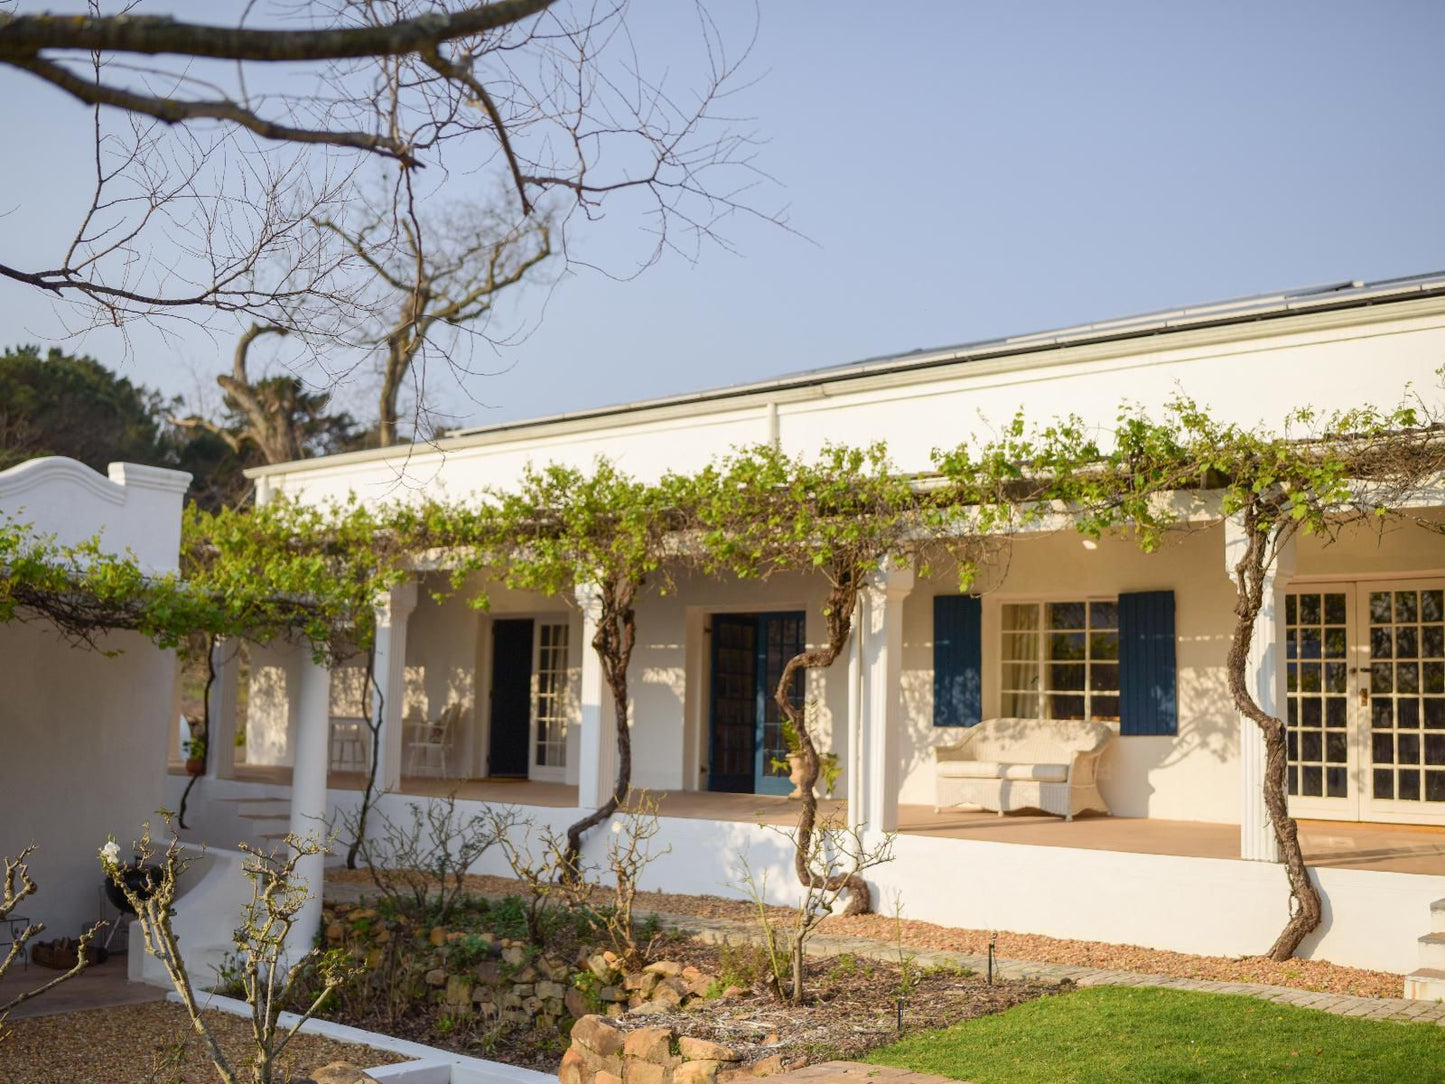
(196, 756)
(828, 767)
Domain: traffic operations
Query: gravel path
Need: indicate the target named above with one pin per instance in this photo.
(147, 1044)
(1315, 975)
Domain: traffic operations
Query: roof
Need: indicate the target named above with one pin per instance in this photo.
(1253, 308)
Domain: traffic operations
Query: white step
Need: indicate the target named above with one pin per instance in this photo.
(1426, 984)
(1432, 952)
(1437, 917)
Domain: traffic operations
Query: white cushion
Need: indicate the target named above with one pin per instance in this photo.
(1041, 773)
(969, 769)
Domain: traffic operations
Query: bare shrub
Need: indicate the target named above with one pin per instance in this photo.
(836, 857)
(19, 886)
(541, 859)
(419, 862)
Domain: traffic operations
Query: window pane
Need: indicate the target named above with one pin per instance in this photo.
(1407, 677)
(1336, 711)
(1337, 748)
(1382, 748)
(1435, 786)
(1018, 616)
(1020, 676)
(1432, 605)
(1066, 646)
(1407, 749)
(1434, 713)
(1432, 677)
(1311, 745)
(1104, 615)
(1104, 677)
(1380, 607)
(1336, 785)
(1336, 677)
(1312, 780)
(1309, 609)
(1066, 615)
(1407, 786)
(1020, 705)
(1432, 641)
(1311, 643)
(1384, 783)
(1066, 676)
(1334, 609)
(1065, 707)
(1104, 645)
(1407, 713)
(1336, 646)
(1407, 643)
(1104, 709)
(1380, 644)
(1405, 606)
(1020, 646)
(1382, 713)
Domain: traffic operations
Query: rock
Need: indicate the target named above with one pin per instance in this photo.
(615, 1010)
(637, 1071)
(570, 1071)
(705, 1050)
(599, 966)
(550, 990)
(696, 1072)
(769, 1066)
(436, 977)
(734, 991)
(652, 1044)
(338, 1072)
(596, 1034)
(667, 994)
(652, 1008)
(523, 989)
(335, 932)
(361, 914)
(488, 971)
(700, 986)
(576, 1003)
(604, 1077)
(612, 993)
(664, 967)
(644, 982)
(514, 955)
(459, 990)
(438, 936)
(527, 974)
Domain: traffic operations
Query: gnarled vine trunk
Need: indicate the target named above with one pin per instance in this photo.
(1249, 574)
(842, 604)
(373, 726)
(616, 634)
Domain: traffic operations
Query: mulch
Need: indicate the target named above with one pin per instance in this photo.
(149, 1044)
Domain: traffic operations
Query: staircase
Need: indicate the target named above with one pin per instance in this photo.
(1427, 982)
(268, 819)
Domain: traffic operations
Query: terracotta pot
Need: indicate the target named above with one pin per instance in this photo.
(196, 766)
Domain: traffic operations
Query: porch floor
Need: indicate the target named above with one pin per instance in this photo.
(1342, 844)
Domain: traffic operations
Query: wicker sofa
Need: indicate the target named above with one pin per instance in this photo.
(1008, 764)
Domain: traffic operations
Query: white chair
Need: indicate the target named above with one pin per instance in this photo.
(433, 737)
(348, 750)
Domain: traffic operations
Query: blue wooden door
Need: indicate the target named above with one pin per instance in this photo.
(749, 652)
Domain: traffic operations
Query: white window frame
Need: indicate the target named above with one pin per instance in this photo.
(563, 671)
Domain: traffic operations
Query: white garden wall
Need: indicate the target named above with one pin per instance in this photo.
(84, 733)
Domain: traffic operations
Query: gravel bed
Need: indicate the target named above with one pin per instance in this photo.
(1317, 975)
(148, 1044)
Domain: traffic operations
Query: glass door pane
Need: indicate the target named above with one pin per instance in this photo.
(1406, 644)
(1317, 698)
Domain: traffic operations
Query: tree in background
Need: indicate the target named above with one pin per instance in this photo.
(65, 404)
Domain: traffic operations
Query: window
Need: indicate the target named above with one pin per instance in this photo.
(551, 695)
(1060, 659)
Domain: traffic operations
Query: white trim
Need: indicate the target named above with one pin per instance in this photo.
(484, 1072)
(34, 473)
(139, 476)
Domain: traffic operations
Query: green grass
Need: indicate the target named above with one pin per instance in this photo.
(1111, 1034)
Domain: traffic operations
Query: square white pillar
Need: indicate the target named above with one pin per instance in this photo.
(308, 789)
(881, 622)
(388, 698)
(1265, 674)
(597, 745)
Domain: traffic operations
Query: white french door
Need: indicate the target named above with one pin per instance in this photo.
(1365, 701)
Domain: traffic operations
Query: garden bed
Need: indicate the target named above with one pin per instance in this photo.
(1316, 975)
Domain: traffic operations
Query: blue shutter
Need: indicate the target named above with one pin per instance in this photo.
(957, 660)
(1146, 664)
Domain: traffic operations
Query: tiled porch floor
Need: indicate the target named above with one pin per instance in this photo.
(1396, 848)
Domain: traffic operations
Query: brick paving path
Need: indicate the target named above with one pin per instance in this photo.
(721, 930)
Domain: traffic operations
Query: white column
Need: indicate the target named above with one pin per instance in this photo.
(392, 611)
(882, 625)
(221, 748)
(1265, 674)
(597, 754)
(857, 754)
(308, 790)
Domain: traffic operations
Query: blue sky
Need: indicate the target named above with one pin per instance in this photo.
(957, 171)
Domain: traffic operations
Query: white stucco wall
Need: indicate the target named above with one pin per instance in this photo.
(84, 736)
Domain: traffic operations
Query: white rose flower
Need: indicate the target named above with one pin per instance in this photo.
(110, 853)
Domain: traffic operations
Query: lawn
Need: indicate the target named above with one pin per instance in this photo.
(1114, 1033)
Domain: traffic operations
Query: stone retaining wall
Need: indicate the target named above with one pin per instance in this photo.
(602, 1053)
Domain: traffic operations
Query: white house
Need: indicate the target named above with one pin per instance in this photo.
(1351, 651)
(84, 730)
